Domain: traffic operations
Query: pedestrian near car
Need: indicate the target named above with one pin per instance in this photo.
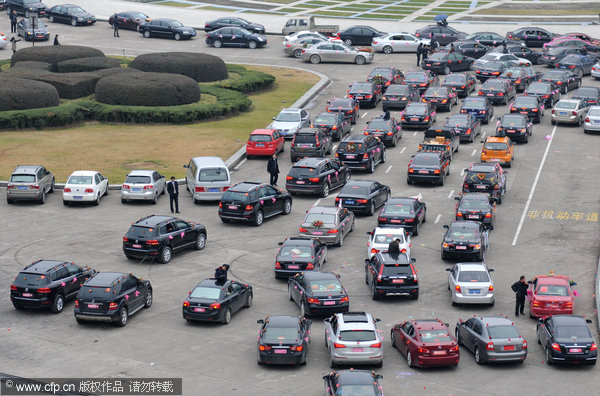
(394, 247)
(451, 47)
(116, 26)
(520, 288)
(173, 190)
(504, 49)
(273, 169)
(420, 49)
(13, 21)
(433, 43)
(13, 44)
(56, 40)
(221, 273)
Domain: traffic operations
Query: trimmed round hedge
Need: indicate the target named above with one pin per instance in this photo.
(53, 54)
(87, 64)
(31, 65)
(147, 89)
(21, 94)
(200, 67)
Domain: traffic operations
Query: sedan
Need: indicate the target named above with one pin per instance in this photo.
(235, 37)
(385, 76)
(295, 48)
(570, 111)
(581, 65)
(444, 62)
(283, 339)
(428, 167)
(346, 106)
(289, 121)
(467, 125)
(398, 42)
(478, 107)
(554, 55)
(492, 339)
(467, 48)
(397, 97)
(487, 38)
(590, 94)
(441, 97)
(168, 28)
(545, 91)
(385, 128)
(143, 185)
(349, 382)
(500, 57)
(405, 212)
(421, 80)
(521, 77)
(264, 142)
(462, 83)
(316, 176)
(465, 239)
(567, 339)
(215, 301)
(531, 36)
(520, 51)
(335, 123)
(360, 35)
(530, 106)
(476, 207)
(40, 33)
(595, 69)
(515, 126)
(471, 283)
(330, 224)
(381, 237)
(442, 34)
(336, 52)
(363, 196)
(563, 80)
(85, 186)
(296, 255)
(418, 115)
(129, 19)
(551, 295)
(592, 120)
(498, 90)
(365, 93)
(69, 13)
(318, 292)
(492, 69)
(498, 149)
(234, 22)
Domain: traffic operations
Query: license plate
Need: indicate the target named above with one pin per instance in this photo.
(293, 266)
(136, 189)
(473, 217)
(439, 353)
(481, 186)
(509, 347)
(424, 171)
(317, 233)
(214, 189)
(27, 295)
(414, 119)
(199, 309)
(22, 188)
(596, 121)
(359, 97)
(94, 306)
(358, 349)
(562, 113)
(260, 145)
(280, 351)
(396, 221)
(77, 197)
(474, 291)
(428, 64)
(232, 207)
(510, 131)
(304, 145)
(300, 182)
(349, 202)
(397, 280)
(524, 112)
(575, 350)
(137, 246)
(459, 247)
(393, 98)
(490, 94)
(350, 156)
(494, 159)
(328, 302)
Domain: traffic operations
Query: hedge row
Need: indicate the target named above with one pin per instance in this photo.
(87, 64)
(249, 81)
(65, 114)
(21, 94)
(200, 67)
(54, 54)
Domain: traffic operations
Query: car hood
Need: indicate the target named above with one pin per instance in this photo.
(285, 125)
(185, 28)
(257, 25)
(82, 15)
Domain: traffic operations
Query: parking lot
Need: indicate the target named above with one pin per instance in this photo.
(558, 232)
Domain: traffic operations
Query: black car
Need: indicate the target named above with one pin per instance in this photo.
(69, 13)
(421, 80)
(492, 69)
(391, 275)
(129, 19)
(283, 339)
(531, 36)
(316, 176)
(476, 207)
(406, 212)
(467, 48)
(361, 152)
(441, 139)
(385, 128)
(310, 142)
(521, 51)
(446, 62)
(47, 284)
(485, 178)
(442, 97)
(553, 55)
(318, 292)
(24, 7)
(498, 90)
(346, 106)
(359, 35)
(428, 167)
(567, 339)
(299, 254)
(159, 236)
(169, 28)
(590, 94)
(235, 37)
(112, 297)
(530, 106)
(347, 381)
(39, 34)
(465, 240)
(233, 22)
(385, 76)
(253, 202)
(488, 39)
(563, 80)
(397, 97)
(213, 300)
(418, 115)
(580, 65)
(335, 123)
(478, 107)
(544, 91)
(521, 77)
(363, 196)
(442, 34)
(462, 83)
(2, 5)
(467, 125)
(365, 93)
(515, 126)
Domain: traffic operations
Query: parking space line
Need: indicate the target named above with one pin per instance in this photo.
(415, 133)
(388, 169)
(437, 219)
(451, 194)
(240, 164)
(317, 203)
(462, 172)
(535, 181)
(474, 152)
(483, 135)
(363, 116)
(403, 148)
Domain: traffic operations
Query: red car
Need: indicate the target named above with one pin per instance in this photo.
(551, 295)
(264, 142)
(426, 343)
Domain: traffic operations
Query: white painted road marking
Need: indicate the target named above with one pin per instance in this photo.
(437, 219)
(483, 136)
(388, 169)
(363, 116)
(317, 203)
(415, 134)
(403, 148)
(462, 172)
(240, 164)
(474, 152)
(451, 194)
(535, 181)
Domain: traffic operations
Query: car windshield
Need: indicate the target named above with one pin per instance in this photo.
(437, 92)
(525, 101)
(103, 292)
(595, 112)
(398, 209)
(398, 90)
(435, 336)
(474, 203)
(360, 390)
(22, 178)
(281, 333)
(354, 190)
(473, 276)
(416, 108)
(138, 15)
(552, 290)
(514, 121)
(291, 251)
(456, 78)
(288, 117)
(261, 138)
(212, 174)
(325, 119)
(457, 121)
(141, 231)
(461, 233)
(572, 332)
(426, 160)
(210, 293)
(415, 77)
(357, 335)
(361, 87)
(438, 56)
(495, 146)
(325, 285)
(138, 180)
(387, 237)
(566, 105)
(73, 10)
(32, 279)
(556, 51)
(474, 103)
(379, 124)
(553, 75)
(80, 180)
(496, 332)
(478, 176)
(305, 138)
(325, 218)
(539, 88)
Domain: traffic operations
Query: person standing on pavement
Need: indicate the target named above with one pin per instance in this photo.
(273, 169)
(13, 21)
(56, 40)
(419, 53)
(13, 44)
(116, 26)
(520, 289)
(173, 190)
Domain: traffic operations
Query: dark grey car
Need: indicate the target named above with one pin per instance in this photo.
(310, 142)
(29, 182)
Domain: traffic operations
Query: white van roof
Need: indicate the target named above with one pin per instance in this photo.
(209, 162)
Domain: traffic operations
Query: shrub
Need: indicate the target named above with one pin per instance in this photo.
(65, 114)
(32, 66)
(21, 94)
(250, 80)
(54, 54)
(147, 89)
(87, 64)
(200, 67)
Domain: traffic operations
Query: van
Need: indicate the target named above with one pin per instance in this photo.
(207, 178)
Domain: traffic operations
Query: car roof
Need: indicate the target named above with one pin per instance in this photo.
(153, 220)
(429, 324)
(212, 282)
(390, 230)
(427, 153)
(570, 101)
(83, 173)
(282, 321)
(27, 168)
(264, 131)
(355, 138)
(359, 183)
(351, 376)
(464, 224)
(497, 139)
(324, 209)
(318, 275)
(496, 321)
(552, 280)
(355, 321)
(476, 266)
(388, 258)
(209, 161)
(482, 167)
(476, 196)
(141, 172)
(569, 320)
(394, 200)
(104, 279)
(290, 110)
(299, 241)
(42, 266)
(311, 161)
(245, 186)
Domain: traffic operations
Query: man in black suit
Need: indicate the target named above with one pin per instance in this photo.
(273, 169)
(173, 190)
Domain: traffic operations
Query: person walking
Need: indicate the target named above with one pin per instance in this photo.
(221, 273)
(420, 49)
(13, 21)
(13, 44)
(451, 47)
(116, 26)
(520, 288)
(433, 43)
(56, 40)
(173, 190)
(273, 169)
(504, 49)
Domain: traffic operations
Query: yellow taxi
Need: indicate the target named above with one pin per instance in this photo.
(498, 149)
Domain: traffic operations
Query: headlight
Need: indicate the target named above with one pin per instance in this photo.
(28, 32)
(261, 39)
(80, 19)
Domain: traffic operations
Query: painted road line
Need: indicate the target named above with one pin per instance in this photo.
(334, 148)
(462, 172)
(317, 203)
(403, 148)
(483, 136)
(388, 169)
(415, 134)
(451, 194)
(240, 164)
(437, 219)
(535, 181)
(364, 115)
(474, 152)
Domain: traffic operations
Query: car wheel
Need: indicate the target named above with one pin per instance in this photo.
(388, 49)
(200, 241)
(314, 59)
(360, 60)
(500, 199)
(258, 218)
(51, 187)
(447, 70)
(79, 321)
(73, 22)
(42, 199)
(154, 200)
(325, 192)
(97, 201)
(370, 166)
(290, 292)
(123, 201)
(347, 177)
(66, 203)
(408, 181)
(549, 358)
(297, 53)
(17, 306)
(425, 216)
(51, 18)
(105, 192)
(383, 157)
(58, 304)
(303, 309)
(147, 33)
(393, 339)
(248, 302)
(477, 356)
(374, 294)
(287, 207)
(457, 335)
(148, 302)
(332, 364)
(371, 210)
(252, 44)
(415, 296)
(579, 121)
(177, 37)
(227, 316)
(552, 122)
(165, 254)
(258, 359)
(537, 334)
(443, 179)
(409, 359)
(123, 317)
(417, 228)
(341, 241)
(348, 42)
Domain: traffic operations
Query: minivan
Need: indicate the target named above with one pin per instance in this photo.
(207, 178)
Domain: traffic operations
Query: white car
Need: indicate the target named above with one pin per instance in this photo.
(471, 283)
(498, 56)
(289, 121)
(3, 41)
(353, 338)
(144, 185)
(398, 42)
(85, 186)
(596, 70)
(592, 120)
(380, 238)
(307, 34)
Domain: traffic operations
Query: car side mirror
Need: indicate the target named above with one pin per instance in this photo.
(308, 321)
(448, 269)
(530, 282)
(325, 377)
(574, 284)
(481, 141)
(457, 198)
(186, 166)
(260, 321)
(413, 260)
(446, 226)
(377, 320)
(490, 270)
(588, 321)
(447, 324)
(337, 276)
(368, 232)
(466, 170)
(379, 376)
(280, 243)
(327, 320)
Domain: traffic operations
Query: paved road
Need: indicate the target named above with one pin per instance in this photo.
(218, 360)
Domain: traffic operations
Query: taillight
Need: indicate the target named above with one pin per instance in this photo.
(593, 347)
(344, 299)
(365, 156)
(35, 187)
(524, 344)
(248, 208)
(13, 288)
(337, 200)
(297, 348)
(490, 346)
(518, 81)
(375, 42)
(495, 73)
(459, 214)
(445, 245)
(500, 93)
(67, 189)
(334, 231)
(488, 216)
(89, 190)
(454, 349)
(411, 170)
(336, 345)
(43, 290)
(568, 305)
(126, 186)
(436, 171)
(186, 304)
(414, 272)
(199, 189)
(76, 304)
(312, 300)
(535, 110)
(571, 66)
(513, 109)
(552, 111)
(422, 350)
(481, 111)
(278, 265)
(301, 229)
(457, 287)
(535, 303)
(480, 93)
(215, 306)
(362, 201)
(148, 187)
(289, 178)
(314, 179)
(409, 220)
(152, 242)
(378, 345)
(112, 306)
(587, 119)
(310, 266)
(466, 185)
(574, 113)
(491, 288)
(556, 347)
(264, 348)
(125, 239)
(220, 205)
(468, 131)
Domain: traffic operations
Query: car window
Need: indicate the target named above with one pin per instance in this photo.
(129, 283)
(181, 225)
(270, 190)
(211, 293)
(478, 328)
(357, 335)
(73, 269)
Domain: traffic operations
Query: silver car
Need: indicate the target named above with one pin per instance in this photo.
(398, 42)
(592, 120)
(304, 34)
(570, 111)
(353, 338)
(596, 70)
(143, 185)
(329, 224)
(295, 48)
(471, 283)
(289, 120)
(29, 182)
(336, 52)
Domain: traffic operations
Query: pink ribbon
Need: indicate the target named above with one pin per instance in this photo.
(63, 284)
(126, 296)
(74, 280)
(170, 236)
(137, 293)
(182, 234)
(274, 199)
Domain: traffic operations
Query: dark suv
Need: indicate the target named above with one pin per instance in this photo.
(361, 152)
(26, 7)
(112, 297)
(365, 93)
(253, 202)
(47, 284)
(316, 176)
(485, 178)
(385, 128)
(310, 142)
(159, 236)
(335, 123)
(391, 275)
